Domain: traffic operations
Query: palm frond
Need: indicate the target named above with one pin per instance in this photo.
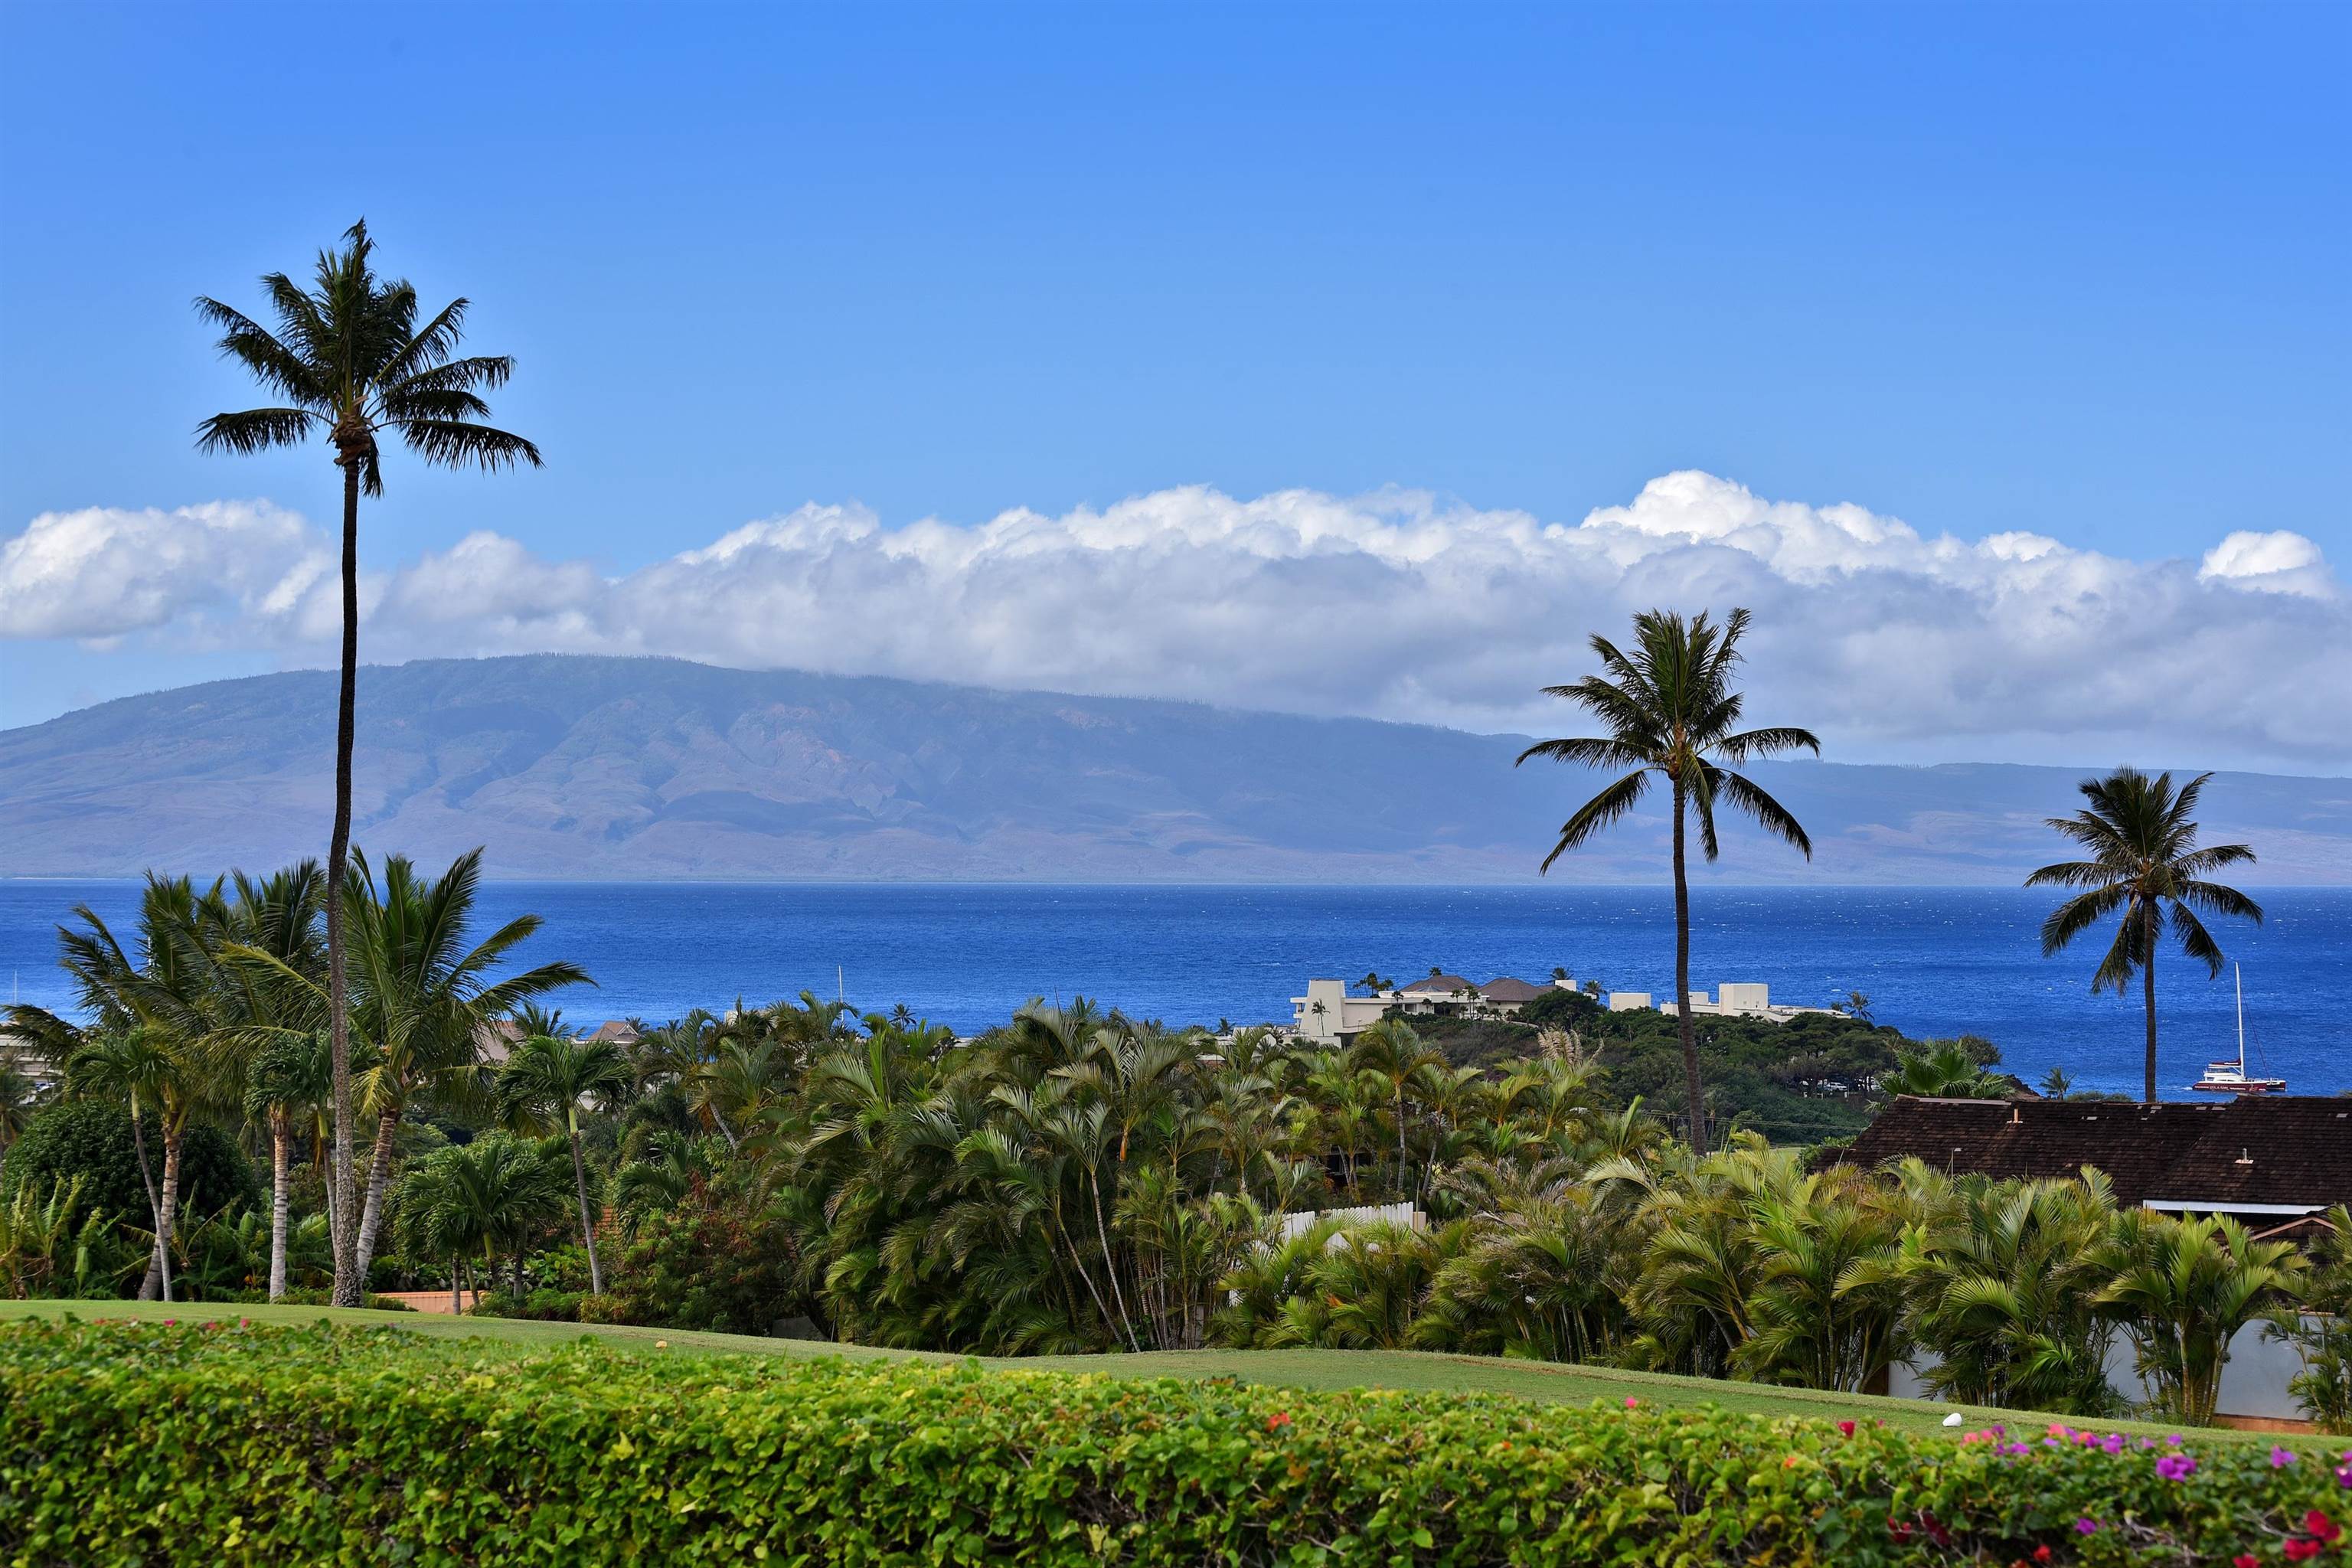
(1768, 813)
(1598, 813)
(1592, 751)
(254, 430)
(1770, 742)
(2076, 915)
(272, 361)
(456, 444)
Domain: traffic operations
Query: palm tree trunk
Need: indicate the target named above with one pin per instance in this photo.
(349, 1282)
(1402, 1191)
(171, 1205)
(1111, 1267)
(456, 1305)
(2147, 983)
(280, 1152)
(587, 1228)
(158, 1265)
(371, 1218)
(1695, 1091)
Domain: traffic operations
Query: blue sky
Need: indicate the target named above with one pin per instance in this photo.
(2077, 273)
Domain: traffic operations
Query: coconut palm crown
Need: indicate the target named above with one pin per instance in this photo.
(2141, 835)
(349, 361)
(1670, 712)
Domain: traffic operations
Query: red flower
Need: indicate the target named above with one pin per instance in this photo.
(2318, 1526)
(2299, 1549)
(2245, 1560)
(1846, 1427)
(2042, 1553)
(1277, 1421)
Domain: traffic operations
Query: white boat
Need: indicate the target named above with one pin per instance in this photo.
(2228, 1076)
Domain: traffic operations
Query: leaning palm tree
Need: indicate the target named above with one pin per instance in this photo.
(148, 1070)
(350, 363)
(544, 1084)
(2144, 862)
(1669, 712)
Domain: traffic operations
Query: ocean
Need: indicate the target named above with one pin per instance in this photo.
(1933, 960)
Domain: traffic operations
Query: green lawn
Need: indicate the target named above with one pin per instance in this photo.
(1287, 1368)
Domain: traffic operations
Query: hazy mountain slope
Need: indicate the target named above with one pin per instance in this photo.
(589, 767)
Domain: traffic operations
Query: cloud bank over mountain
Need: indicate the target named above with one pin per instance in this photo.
(1398, 605)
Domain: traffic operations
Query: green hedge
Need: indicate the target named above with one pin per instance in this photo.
(218, 1443)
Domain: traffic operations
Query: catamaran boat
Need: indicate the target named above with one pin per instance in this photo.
(2230, 1076)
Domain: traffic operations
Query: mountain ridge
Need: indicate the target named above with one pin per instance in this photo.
(610, 768)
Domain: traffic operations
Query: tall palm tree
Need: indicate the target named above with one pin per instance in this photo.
(350, 363)
(2145, 861)
(544, 1084)
(1669, 712)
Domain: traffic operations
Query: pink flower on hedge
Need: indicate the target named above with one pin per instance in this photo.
(2176, 1466)
(2113, 1443)
(2086, 1526)
(1632, 1403)
(2282, 1458)
(1846, 1427)
(2344, 1475)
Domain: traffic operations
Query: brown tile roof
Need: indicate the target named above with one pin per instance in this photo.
(1444, 985)
(615, 1029)
(2246, 1152)
(1509, 989)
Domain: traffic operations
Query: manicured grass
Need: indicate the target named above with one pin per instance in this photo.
(1314, 1369)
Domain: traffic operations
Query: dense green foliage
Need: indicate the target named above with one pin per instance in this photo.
(195, 1444)
(90, 1140)
(1803, 1081)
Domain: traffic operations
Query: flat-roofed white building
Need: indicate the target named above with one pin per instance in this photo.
(1744, 999)
(1328, 1015)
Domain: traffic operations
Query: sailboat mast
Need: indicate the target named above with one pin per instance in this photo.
(2238, 970)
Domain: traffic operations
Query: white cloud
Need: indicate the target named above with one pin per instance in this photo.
(1396, 604)
(2275, 563)
(102, 571)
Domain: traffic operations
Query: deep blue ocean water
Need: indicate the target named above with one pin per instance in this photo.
(1934, 960)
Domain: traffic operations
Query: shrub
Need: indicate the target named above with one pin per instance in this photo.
(722, 1268)
(121, 1444)
(91, 1138)
(548, 1306)
(310, 1298)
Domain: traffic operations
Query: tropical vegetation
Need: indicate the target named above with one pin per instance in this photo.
(1071, 1181)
